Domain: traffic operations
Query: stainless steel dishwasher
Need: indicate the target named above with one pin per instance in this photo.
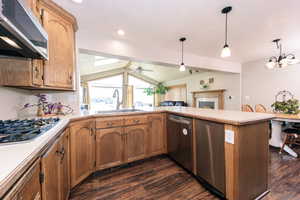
(179, 140)
(210, 153)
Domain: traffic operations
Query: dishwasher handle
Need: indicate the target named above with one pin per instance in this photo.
(180, 120)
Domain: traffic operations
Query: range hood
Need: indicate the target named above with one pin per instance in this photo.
(21, 34)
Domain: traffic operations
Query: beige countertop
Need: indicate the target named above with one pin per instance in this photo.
(221, 116)
(14, 157)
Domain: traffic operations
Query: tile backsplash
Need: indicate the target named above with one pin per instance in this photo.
(12, 100)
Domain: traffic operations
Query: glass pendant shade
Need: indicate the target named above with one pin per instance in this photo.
(182, 67)
(271, 64)
(225, 51)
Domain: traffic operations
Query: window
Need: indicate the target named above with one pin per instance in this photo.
(101, 93)
(140, 98)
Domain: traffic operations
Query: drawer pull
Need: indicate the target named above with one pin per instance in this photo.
(110, 124)
(136, 121)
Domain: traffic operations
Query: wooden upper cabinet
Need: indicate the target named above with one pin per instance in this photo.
(56, 73)
(157, 134)
(135, 145)
(82, 150)
(50, 170)
(59, 69)
(109, 147)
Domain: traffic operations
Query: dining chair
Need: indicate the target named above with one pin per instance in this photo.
(247, 108)
(260, 108)
(291, 137)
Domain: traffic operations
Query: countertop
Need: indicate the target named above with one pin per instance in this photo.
(14, 157)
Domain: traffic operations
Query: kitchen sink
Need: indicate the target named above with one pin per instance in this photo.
(119, 111)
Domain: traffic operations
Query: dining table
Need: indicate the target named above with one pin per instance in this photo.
(276, 139)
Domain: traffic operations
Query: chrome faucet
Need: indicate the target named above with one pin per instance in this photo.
(116, 94)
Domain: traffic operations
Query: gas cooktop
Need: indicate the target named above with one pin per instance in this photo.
(23, 130)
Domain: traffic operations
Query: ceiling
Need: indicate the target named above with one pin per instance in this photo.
(252, 24)
(158, 73)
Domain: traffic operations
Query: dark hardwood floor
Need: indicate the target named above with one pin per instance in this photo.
(160, 178)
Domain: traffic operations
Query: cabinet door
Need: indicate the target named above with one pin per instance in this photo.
(59, 68)
(82, 150)
(135, 143)
(50, 170)
(109, 147)
(156, 137)
(37, 72)
(64, 177)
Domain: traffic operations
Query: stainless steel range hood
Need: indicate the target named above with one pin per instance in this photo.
(21, 34)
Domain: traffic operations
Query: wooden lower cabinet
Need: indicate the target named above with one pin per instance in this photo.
(135, 142)
(156, 141)
(28, 187)
(109, 147)
(82, 150)
(50, 173)
(64, 172)
(55, 170)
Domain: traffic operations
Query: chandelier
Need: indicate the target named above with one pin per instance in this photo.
(283, 60)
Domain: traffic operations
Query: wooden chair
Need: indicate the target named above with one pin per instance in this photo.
(247, 108)
(260, 108)
(292, 136)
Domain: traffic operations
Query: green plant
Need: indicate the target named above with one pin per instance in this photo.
(159, 89)
(290, 106)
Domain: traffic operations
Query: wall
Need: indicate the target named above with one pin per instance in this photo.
(260, 85)
(11, 101)
(228, 81)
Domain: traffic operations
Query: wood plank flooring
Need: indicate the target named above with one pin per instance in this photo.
(160, 178)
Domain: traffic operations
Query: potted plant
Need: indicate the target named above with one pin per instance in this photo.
(159, 89)
(290, 106)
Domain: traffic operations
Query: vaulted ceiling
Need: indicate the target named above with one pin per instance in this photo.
(159, 23)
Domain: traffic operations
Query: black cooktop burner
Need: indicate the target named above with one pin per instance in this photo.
(23, 130)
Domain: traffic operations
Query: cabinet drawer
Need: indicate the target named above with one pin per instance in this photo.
(109, 122)
(135, 120)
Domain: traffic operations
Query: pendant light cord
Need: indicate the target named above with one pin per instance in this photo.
(226, 21)
(182, 51)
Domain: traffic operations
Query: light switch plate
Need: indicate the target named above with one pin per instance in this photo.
(229, 136)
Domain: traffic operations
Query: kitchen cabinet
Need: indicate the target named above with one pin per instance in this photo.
(59, 69)
(28, 187)
(55, 169)
(109, 147)
(135, 142)
(82, 150)
(56, 73)
(64, 173)
(50, 173)
(156, 136)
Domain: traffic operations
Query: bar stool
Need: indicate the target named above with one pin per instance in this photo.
(292, 136)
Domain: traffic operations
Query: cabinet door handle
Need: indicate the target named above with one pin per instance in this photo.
(110, 124)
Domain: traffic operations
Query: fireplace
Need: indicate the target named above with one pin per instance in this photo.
(211, 99)
(210, 103)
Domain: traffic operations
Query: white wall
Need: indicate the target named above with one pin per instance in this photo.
(228, 81)
(260, 85)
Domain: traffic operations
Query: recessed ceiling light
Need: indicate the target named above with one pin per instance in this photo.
(121, 32)
(77, 1)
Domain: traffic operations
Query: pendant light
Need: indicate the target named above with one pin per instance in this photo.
(226, 50)
(182, 65)
(283, 60)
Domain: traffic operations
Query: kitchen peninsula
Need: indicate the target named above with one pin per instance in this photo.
(98, 141)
